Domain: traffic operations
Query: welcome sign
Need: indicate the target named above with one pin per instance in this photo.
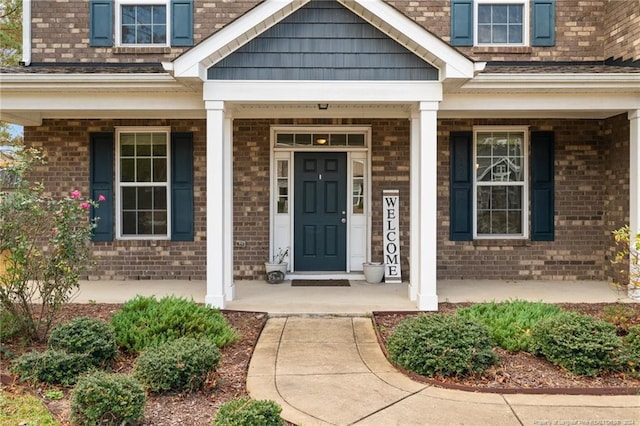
(391, 231)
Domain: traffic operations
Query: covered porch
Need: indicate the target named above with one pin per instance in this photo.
(358, 299)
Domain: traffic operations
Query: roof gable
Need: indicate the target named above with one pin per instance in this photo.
(411, 38)
(322, 41)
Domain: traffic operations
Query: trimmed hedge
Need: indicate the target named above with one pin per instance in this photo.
(178, 365)
(441, 345)
(144, 322)
(90, 336)
(581, 344)
(52, 366)
(107, 399)
(248, 412)
(510, 323)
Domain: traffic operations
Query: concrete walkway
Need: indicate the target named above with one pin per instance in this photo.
(331, 371)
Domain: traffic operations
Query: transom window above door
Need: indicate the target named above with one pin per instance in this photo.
(320, 140)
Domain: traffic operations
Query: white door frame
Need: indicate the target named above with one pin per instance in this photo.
(281, 226)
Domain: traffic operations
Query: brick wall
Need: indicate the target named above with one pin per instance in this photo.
(578, 252)
(622, 30)
(578, 31)
(591, 199)
(66, 146)
(616, 202)
(60, 31)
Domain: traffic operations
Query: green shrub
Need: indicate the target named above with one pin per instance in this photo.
(248, 412)
(144, 321)
(181, 364)
(441, 344)
(620, 315)
(54, 367)
(579, 343)
(107, 399)
(510, 322)
(89, 336)
(631, 349)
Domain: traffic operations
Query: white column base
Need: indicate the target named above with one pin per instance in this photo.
(427, 302)
(214, 301)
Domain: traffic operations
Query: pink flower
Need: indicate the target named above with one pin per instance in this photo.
(84, 206)
(75, 194)
(101, 198)
(54, 231)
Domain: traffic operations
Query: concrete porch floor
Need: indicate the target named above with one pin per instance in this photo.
(358, 299)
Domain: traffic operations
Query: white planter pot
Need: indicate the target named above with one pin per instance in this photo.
(373, 272)
(280, 270)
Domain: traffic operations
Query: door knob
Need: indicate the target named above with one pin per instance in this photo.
(343, 220)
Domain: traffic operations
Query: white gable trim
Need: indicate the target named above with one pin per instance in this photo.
(451, 63)
(194, 62)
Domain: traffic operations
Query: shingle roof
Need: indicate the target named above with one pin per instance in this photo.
(558, 68)
(85, 68)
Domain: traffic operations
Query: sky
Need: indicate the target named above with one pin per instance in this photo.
(14, 129)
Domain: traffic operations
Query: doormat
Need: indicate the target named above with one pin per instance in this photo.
(320, 283)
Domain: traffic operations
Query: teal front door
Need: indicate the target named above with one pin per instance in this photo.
(320, 204)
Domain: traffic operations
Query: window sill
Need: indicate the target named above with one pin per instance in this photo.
(142, 50)
(516, 50)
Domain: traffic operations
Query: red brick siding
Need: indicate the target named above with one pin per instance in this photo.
(60, 31)
(591, 199)
(622, 30)
(578, 31)
(578, 251)
(616, 201)
(66, 146)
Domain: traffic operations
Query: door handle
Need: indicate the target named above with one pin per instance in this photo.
(343, 220)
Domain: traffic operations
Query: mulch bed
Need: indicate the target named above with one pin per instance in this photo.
(521, 372)
(517, 372)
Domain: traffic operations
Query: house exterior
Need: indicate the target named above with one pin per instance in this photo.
(221, 132)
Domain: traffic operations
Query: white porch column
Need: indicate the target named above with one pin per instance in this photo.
(634, 181)
(424, 194)
(219, 206)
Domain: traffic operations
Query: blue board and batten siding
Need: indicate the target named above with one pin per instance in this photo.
(323, 41)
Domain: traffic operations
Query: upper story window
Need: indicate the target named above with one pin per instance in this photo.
(498, 23)
(142, 22)
(503, 22)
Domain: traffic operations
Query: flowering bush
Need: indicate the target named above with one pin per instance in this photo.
(627, 258)
(44, 245)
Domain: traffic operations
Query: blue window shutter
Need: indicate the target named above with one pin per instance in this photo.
(182, 186)
(543, 23)
(101, 23)
(182, 22)
(101, 183)
(461, 186)
(462, 22)
(542, 186)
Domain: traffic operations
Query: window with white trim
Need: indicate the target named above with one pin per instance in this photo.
(501, 22)
(143, 182)
(142, 22)
(500, 183)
